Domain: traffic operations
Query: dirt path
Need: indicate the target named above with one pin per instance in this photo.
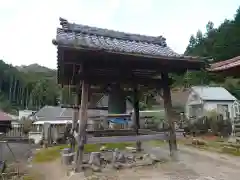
(192, 164)
(201, 165)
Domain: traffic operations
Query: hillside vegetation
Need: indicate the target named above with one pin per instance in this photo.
(26, 87)
(217, 43)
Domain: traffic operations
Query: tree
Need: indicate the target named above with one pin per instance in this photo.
(18, 89)
(27, 125)
(199, 37)
(219, 44)
(209, 26)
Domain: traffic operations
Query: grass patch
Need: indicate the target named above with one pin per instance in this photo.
(28, 177)
(157, 143)
(33, 177)
(52, 153)
(218, 145)
(117, 145)
(48, 154)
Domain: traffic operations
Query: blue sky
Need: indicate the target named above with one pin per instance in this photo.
(27, 27)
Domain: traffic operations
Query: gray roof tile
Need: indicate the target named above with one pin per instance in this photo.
(102, 39)
(57, 113)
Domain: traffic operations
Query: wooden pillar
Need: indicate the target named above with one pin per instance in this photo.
(75, 117)
(82, 126)
(168, 114)
(136, 115)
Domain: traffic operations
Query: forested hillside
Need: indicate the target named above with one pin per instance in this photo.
(218, 43)
(31, 88)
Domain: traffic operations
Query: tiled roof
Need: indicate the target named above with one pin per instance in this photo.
(4, 117)
(57, 112)
(224, 65)
(82, 36)
(52, 113)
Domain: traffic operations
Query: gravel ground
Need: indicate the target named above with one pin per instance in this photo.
(191, 164)
(198, 166)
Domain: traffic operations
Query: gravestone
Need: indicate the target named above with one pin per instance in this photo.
(118, 157)
(67, 156)
(95, 161)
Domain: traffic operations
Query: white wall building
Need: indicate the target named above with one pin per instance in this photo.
(24, 114)
(203, 99)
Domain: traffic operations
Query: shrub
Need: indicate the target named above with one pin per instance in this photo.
(27, 125)
(212, 120)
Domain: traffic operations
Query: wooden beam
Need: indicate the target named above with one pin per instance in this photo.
(169, 118)
(147, 61)
(103, 80)
(136, 115)
(114, 139)
(75, 117)
(148, 81)
(82, 127)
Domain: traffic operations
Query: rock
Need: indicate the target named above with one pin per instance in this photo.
(76, 176)
(121, 158)
(154, 158)
(95, 159)
(92, 177)
(131, 149)
(140, 157)
(130, 159)
(29, 165)
(117, 165)
(145, 156)
(118, 157)
(198, 142)
(85, 161)
(103, 148)
(147, 160)
(96, 168)
(232, 140)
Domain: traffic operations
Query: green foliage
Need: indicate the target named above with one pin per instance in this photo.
(213, 121)
(212, 117)
(218, 44)
(27, 125)
(21, 89)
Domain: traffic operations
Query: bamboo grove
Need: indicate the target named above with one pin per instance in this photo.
(20, 90)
